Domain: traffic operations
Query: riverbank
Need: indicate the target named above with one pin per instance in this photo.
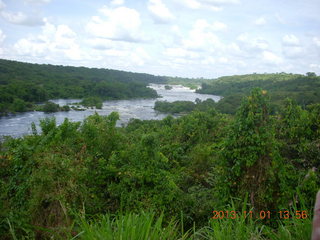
(20, 124)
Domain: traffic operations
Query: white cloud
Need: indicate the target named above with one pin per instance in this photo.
(53, 42)
(202, 38)
(214, 5)
(2, 36)
(122, 24)
(117, 2)
(314, 66)
(290, 40)
(180, 53)
(100, 43)
(223, 60)
(251, 45)
(260, 21)
(316, 40)
(208, 61)
(293, 52)
(218, 26)
(271, 58)
(20, 18)
(2, 5)
(37, 1)
(193, 4)
(280, 19)
(160, 12)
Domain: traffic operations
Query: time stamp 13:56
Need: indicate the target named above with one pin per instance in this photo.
(285, 214)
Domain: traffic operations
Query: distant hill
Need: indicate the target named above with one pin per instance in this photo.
(304, 89)
(22, 84)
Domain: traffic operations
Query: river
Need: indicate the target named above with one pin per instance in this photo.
(16, 125)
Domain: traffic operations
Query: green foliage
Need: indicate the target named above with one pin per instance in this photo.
(167, 87)
(185, 106)
(175, 107)
(92, 102)
(251, 155)
(177, 168)
(303, 89)
(34, 83)
(50, 107)
(19, 105)
(130, 226)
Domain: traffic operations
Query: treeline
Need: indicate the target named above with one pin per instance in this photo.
(184, 168)
(300, 88)
(184, 106)
(23, 84)
(228, 105)
(192, 83)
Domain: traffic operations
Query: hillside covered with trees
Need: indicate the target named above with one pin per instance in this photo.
(205, 175)
(304, 89)
(23, 84)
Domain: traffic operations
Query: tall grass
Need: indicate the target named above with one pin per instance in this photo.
(148, 226)
(143, 226)
(254, 228)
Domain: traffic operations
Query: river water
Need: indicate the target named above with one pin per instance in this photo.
(20, 124)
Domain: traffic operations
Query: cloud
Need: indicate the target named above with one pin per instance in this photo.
(290, 40)
(120, 55)
(291, 47)
(100, 43)
(2, 38)
(218, 26)
(316, 41)
(271, 58)
(180, 53)
(160, 12)
(260, 21)
(37, 1)
(121, 24)
(20, 18)
(251, 46)
(202, 37)
(117, 2)
(293, 51)
(2, 5)
(280, 18)
(214, 5)
(53, 42)
(314, 66)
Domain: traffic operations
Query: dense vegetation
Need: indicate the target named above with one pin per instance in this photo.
(192, 83)
(49, 107)
(302, 89)
(162, 179)
(229, 105)
(185, 106)
(23, 84)
(92, 102)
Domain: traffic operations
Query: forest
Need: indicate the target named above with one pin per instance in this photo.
(303, 89)
(246, 167)
(204, 175)
(24, 84)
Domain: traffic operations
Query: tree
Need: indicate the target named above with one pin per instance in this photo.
(311, 74)
(18, 105)
(250, 154)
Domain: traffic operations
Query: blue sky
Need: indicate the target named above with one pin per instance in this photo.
(186, 38)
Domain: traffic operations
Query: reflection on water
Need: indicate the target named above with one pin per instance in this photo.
(19, 124)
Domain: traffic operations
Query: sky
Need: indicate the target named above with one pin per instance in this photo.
(184, 38)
